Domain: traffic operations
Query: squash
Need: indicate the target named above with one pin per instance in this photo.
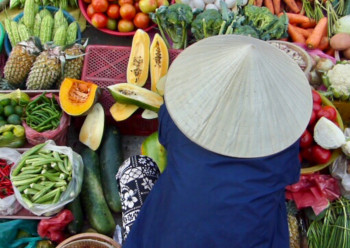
(132, 94)
(159, 60)
(138, 64)
(91, 132)
(149, 114)
(77, 97)
(121, 111)
(152, 148)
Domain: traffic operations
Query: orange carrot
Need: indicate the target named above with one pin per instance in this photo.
(295, 35)
(315, 37)
(269, 4)
(292, 5)
(324, 43)
(305, 32)
(311, 24)
(299, 19)
(277, 6)
(300, 6)
(259, 3)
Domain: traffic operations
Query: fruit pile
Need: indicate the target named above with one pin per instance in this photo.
(310, 152)
(124, 15)
(10, 112)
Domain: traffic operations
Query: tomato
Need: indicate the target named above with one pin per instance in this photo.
(122, 2)
(313, 118)
(111, 24)
(141, 20)
(99, 20)
(320, 155)
(306, 139)
(316, 107)
(327, 111)
(99, 5)
(125, 26)
(90, 10)
(113, 11)
(306, 154)
(316, 97)
(127, 11)
(87, 1)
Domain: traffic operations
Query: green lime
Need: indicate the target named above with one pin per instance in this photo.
(1, 109)
(2, 122)
(5, 102)
(7, 134)
(14, 119)
(18, 110)
(13, 102)
(9, 110)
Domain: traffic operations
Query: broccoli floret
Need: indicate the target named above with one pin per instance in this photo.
(246, 30)
(260, 17)
(278, 30)
(206, 24)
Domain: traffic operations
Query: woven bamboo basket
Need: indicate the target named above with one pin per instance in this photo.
(91, 240)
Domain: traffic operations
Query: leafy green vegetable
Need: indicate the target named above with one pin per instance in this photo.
(207, 23)
(246, 30)
(174, 21)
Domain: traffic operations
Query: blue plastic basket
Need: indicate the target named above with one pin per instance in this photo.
(70, 19)
(2, 36)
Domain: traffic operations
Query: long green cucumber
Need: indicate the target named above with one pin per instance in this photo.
(93, 201)
(111, 157)
(77, 224)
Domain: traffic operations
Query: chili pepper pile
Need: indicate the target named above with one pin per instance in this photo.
(5, 183)
(43, 113)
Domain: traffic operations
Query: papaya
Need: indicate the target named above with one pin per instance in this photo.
(138, 64)
(159, 60)
(152, 148)
(121, 112)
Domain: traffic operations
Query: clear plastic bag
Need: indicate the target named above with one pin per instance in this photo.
(9, 205)
(73, 188)
(341, 171)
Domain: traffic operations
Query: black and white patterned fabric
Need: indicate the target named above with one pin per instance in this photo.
(136, 177)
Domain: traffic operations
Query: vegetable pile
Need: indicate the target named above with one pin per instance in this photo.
(5, 183)
(42, 175)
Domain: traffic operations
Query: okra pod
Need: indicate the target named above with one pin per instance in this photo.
(34, 171)
(27, 201)
(23, 177)
(29, 167)
(47, 196)
(25, 181)
(46, 161)
(42, 192)
(60, 183)
(52, 177)
(22, 188)
(30, 191)
(57, 196)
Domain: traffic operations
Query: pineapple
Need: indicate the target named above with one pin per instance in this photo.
(294, 234)
(46, 69)
(74, 63)
(20, 61)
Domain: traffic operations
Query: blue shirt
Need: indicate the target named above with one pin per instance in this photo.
(204, 199)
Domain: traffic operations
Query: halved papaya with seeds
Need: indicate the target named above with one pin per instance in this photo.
(77, 96)
(159, 60)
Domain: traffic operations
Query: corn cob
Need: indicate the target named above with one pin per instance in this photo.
(44, 12)
(72, 33)
(59, 20)
(36, 30)
(15, 34)
(23, 32)
(7, 23)
(46, 28)
(60, 36)
(29, 12)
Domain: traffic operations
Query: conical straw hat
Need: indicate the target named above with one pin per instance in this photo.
(238, 96)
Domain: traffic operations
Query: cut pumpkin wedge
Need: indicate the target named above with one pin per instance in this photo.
(121, 111)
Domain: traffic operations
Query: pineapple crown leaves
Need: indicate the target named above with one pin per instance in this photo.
(77, 43)
(33, 45)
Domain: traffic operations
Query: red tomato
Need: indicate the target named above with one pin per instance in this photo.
(141, 20)
(316, 97)
(327, 111)
(306, 139)
(125, 26)
(90, 10)
(127, 11)
(99, 20)
(122, 2)
(99, 5)
(87, 1)
(113, 11)
(316, 107)
(312, 118)
(320, 155)
(306, 154)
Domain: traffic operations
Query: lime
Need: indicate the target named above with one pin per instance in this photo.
(18, 110)
(13, 102)
(9, 110)
(2, 122)
(1, 109)
(7, 134)
(14, 119)
(5, 102)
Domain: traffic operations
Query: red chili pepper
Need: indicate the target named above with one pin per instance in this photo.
(6, 188)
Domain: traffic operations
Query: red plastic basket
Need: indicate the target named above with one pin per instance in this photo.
(107, 65)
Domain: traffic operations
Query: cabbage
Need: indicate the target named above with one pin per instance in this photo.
(343, 25)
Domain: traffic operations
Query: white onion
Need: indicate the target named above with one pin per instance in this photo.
(217, 3)
(230, 3)
(198, 4)
(209, 1)
(211, 6)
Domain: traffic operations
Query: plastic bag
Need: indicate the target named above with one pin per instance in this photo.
(9, 230)
(341, 171)
(73, 188)
(58, 135)
(9, 205)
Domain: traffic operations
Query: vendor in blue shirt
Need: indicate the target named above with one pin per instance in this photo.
(234, 110)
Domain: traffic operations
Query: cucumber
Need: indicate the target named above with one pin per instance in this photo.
(111, 157)
(77, 224)
(93, 201)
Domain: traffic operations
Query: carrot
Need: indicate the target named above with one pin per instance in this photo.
(269, 4)
(295, 35)
(311, 24)
(277, 6)
(305, 32)
(300, 6)
(324, 43)
(298, 19)
(259, 3)
(292, 5)
(315, 37)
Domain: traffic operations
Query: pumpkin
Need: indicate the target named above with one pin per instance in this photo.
(121, 112)
(77, 97)
(138, 64)
(159, 60)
